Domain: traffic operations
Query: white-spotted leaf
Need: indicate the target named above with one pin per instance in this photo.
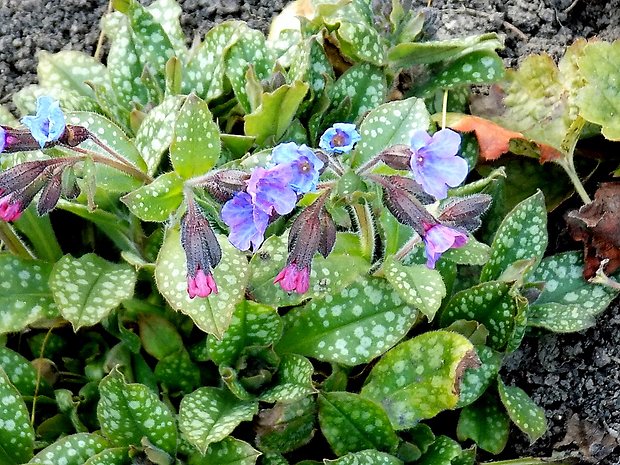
(177, 371)
(363, 85)
(420, 377)
(491, 304)
(112, 456)
(522, 235)
(229, 451)
(293, 380)
(476, 380)
(350, 327)
(204, 73)
(441, 452)
(286, 426)
(25, 296)
(568, 302)
(522, 410)
(390, 124)
(71, 450)
(88, 288)
(21, 373)
(129, 412)
(252, 324)
(417, 285)
(168, 13)
(156, 132)
(209, 414)
(69, 70)
(16, 433)
(351, 423)
(158, 200)
(211, 314)
(472, 253)
(195, 147)
(486, 423)
(365, 457)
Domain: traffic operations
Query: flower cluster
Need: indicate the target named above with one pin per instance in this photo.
(270, 191)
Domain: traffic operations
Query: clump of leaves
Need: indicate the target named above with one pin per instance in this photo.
(252, 250)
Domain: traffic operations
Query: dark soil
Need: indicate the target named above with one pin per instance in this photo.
(575, 377)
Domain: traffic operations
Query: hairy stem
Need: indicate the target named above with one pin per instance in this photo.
(569, 167)
(13, 243)
(125, 167)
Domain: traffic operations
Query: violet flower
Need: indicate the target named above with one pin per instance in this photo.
(434, 162)
(202, 251)
(270, 189)
(438, 239)
(340, 138)
(246, 221)
(305, 165)
(10, 208)
(293, 279)
(49, 122)
(2, 139)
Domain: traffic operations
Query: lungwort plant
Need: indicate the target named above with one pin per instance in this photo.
(266, 249)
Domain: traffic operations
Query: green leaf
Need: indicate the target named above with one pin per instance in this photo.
(211, 314)
(228, 451)
(26, 99)
(568, 302)
(310, 64)
(351, 327)
(351, 423)
(522, 410)
(158, 200)
(204, 73)
(411, 53)
(16, 433)
(417, 285)
(88, 288)
(70, 70)
(365, 457)
(420, 377)
(123, 62)
(390, 124)
(328, 276)
(21, 373)
(38, 229)
(158, 335)
(252, 324)
(476, 380)
(25, 296)
(177, 371)
(273, 116)
(293, 380)
(250, 50)
(113, 456)
(129, 412)
(486, 423)
(441, 452)
(481, 67)
(472, 253)
(209, 414)
(152, 43)
(195, 148)
(168, 13)
(156, 132)
(363, 85)
(71, 450)
(286, 426)
(491, 304)
(522, 235)
(599, 99)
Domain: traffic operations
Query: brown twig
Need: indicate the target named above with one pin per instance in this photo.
(99, 48)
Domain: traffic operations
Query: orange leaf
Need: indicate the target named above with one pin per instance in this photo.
(548, 153)
(493, 139)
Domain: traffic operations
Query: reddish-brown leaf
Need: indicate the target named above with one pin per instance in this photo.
(493, 139)
(597, 225)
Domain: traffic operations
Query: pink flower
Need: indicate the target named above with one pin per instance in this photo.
(438, 239)
(10, 210)
(201, 285)
(291, 278)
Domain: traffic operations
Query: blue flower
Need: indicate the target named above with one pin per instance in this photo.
(49, 122)
(305, 165)
(2, 138)
(434, 161)
(340, 138)
(439, 238)
(246, 221)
